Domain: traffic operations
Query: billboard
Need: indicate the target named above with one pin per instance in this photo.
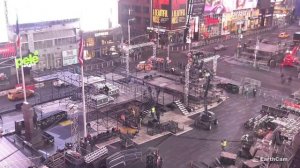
(246, 4)
(198, 8)
(223, 6)
(178, 13)
(70, 57)
(8, 50)
(161, 13)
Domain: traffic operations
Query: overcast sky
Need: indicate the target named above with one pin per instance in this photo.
(93, 14)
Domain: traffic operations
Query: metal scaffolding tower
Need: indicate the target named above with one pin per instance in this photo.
(213, 58)
(127, 50)
(74, 127)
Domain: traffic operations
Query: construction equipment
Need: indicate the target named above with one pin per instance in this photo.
(290, 58)
(207, 118)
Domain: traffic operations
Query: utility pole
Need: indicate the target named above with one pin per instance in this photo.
(255, 52)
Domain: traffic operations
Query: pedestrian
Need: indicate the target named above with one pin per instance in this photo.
(1, 118)
(223, 144)
(153, 111)
(254, 92)
(290, 80)
(282, 76)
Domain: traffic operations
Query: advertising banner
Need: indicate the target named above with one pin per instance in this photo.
(70, 57)
(198, 8)
(178, 13)
(224, 6)
(246, 4)
(8, 50)
(161, 15)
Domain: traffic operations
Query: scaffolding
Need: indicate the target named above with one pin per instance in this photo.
(189, 67)
(127, 50)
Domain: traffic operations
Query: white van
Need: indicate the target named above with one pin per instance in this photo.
(100, 100)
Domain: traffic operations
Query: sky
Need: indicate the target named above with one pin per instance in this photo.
(93, 14)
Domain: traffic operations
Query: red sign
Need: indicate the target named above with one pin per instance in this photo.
(8, 50)
(291, 104)
(210, 21)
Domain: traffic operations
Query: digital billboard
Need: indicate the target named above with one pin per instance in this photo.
(246, 4)
(178, 13)
(198, 7)
(223, 6)
(161, 13)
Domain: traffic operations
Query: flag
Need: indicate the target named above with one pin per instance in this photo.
(18, 40)
(80, 51)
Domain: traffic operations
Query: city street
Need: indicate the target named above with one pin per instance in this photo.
(195, 145)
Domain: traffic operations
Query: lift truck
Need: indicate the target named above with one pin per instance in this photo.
(207, 119)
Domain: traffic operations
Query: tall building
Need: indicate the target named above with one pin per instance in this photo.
(138, 9)
(55, 41)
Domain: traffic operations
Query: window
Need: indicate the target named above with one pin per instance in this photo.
(90, 42)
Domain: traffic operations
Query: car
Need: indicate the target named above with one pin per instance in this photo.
(3, 76)
(283, 35)
(17, 94)
(207, 120)
(220, 47)
(60, 83)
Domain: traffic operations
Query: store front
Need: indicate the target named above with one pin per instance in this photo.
(253, 22)
(266, 17)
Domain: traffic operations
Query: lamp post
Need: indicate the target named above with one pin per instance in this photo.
(133, 19)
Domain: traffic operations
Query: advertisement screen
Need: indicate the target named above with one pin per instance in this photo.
(70, 57)
(7, 50)
(246, 4)
(178, 13)
(161, 13)
(219, 6)
(198, 7)
(223, 6)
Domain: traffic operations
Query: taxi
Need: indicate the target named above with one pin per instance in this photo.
(283, 35)
(17, 94)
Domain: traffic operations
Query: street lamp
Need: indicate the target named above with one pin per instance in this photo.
(133, 19)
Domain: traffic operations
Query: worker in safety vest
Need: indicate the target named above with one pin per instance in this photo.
(223, 144)
(153, 111)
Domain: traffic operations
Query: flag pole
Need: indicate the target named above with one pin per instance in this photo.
(23, 77)
(17, 71)
(83, 103)
(21, 57)
(81, 60)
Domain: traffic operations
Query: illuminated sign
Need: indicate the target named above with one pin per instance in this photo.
(8, 50)
(218, 7)
(178, 9)
(161, 13)
(198, 7)
(29, 61)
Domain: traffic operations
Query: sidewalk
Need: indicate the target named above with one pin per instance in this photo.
(221, 38)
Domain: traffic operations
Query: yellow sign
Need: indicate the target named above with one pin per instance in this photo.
(176, 14)
(159, 13)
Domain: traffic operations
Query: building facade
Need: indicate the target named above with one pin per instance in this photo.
(102, 43)
(55, 41)
(138, 9)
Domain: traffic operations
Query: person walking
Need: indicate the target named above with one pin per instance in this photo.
(254, 92)
(223, 144)
(153, 111)
(290, 80)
